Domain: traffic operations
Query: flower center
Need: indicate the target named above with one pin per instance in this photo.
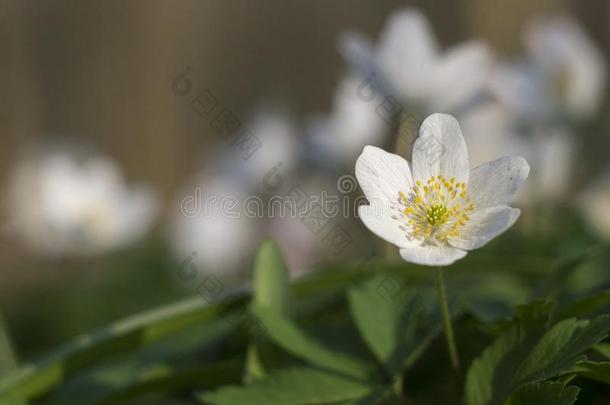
(436, 210)
(436, 214)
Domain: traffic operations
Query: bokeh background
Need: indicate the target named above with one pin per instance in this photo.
(95, 78)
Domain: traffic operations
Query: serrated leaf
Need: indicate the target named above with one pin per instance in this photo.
(292, 387)
(545, 393)
(530, 351)
(292, 339)
(396, 328)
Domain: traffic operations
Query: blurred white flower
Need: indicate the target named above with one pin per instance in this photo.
(408, 64)
(297, 241)
(565, 73)
(520, 86)
(279, 144)
(552, 155)
(213, 228)
(595, 205)
(353, 123)
(62, 205)
(490, 131)
(436, 209)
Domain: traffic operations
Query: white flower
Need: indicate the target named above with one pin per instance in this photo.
(595, 206)
(436, 208)
(551, 153)
(520, 87)
(277, 134)
(409, 64)
(61, 205)
(490, 131)
(565, 73)
(353, 123)
(213, 228)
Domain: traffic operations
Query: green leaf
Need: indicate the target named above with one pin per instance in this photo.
(292, 339)
(603, 349)
(128, 335)
(142, 330)
(397, 327)
(294, 386)
(271, 291)
(271, 279)
(167, 356)
(531, 350)
(174, 380)
(598, 371)
(545, 393)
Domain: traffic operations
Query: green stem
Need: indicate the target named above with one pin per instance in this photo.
(451, 347)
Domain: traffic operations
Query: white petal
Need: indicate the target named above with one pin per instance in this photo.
(406, 51)
(460, 75)
(378, 219)
(495, 183)
(440, 149)
(429, 255)
(382, 175)
(484, 226)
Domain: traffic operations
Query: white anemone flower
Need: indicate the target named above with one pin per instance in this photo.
(279, 145)
(353, 123)
(211, 227)
(410, 65)
(62, 205)
(490, 131)
(565, 73)
(436, 208)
